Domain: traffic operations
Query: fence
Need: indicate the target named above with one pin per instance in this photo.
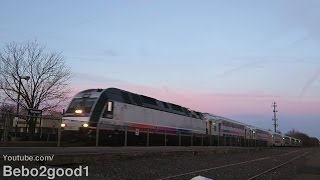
(103, 134)
(46, 131)
(16, 129)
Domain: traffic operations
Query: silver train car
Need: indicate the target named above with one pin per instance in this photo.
(112, 110)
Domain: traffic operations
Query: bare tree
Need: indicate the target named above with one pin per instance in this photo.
(305, 138)
(47, 74)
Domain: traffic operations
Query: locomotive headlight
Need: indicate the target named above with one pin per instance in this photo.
(63, 125)
(78, 111)
(85, 125)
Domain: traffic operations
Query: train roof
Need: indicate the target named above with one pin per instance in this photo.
(120, 95)
(216, 117)
(257, 128)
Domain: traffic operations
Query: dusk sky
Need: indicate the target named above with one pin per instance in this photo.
(230, 58)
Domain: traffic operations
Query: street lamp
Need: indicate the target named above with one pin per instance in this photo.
(18, 100)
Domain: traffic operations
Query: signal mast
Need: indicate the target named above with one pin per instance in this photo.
(275, 119)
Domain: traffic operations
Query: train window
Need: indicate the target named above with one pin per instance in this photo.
(198, 115)
(149, 100)
(176, 107)
(108, 113)
(193, 114)
(109, 106)
(126, 97)
(85, 104)
(186, 112)
(201, 116)
(115, 97)
(160, 104)
(86, 95)
(165, 105)
(136, 99)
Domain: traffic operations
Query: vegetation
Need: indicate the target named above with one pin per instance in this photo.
(47, 83)
(306, 140)
(32, 77)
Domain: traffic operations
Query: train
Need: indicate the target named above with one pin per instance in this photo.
(116, 115)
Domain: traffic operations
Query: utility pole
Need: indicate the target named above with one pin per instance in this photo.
(275, 119)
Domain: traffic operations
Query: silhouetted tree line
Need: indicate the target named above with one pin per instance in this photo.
(306, 140)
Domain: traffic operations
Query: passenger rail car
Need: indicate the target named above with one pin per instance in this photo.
(220, 126)
(276, 139)
(232, 132)
(261, 134)
(295, 142)
(287, 140)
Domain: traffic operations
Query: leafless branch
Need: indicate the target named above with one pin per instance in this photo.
(49, 76)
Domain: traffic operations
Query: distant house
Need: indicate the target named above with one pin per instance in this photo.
(44, 124)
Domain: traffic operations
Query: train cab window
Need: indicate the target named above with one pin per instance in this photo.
(108, 113)
(85, 104)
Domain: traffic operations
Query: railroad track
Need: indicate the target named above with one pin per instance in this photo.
(198, 172)
(277, 167)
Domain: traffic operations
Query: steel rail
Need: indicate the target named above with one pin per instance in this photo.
(223, 166)
(276, 167)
